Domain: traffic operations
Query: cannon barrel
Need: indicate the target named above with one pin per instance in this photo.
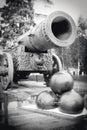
(58, 29)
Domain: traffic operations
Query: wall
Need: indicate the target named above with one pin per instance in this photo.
(41, 9)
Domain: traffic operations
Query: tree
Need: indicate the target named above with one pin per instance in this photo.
(18, 16)
(74, 53)
(69, 55)
(82, 35)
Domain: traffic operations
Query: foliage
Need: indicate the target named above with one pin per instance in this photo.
(69, 55)
(82, 35)
(18, 17)
(83, 53)
(18, 7)
(74, 53)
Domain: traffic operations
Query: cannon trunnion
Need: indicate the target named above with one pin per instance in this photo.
(34, 50)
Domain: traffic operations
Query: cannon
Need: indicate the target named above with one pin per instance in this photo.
(34, 54)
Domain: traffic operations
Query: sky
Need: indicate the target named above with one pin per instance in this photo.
(1, 3)
(72, 7)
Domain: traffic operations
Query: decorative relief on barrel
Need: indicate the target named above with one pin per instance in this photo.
(30, 62)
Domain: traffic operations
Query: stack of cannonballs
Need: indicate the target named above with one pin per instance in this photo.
(61, 95)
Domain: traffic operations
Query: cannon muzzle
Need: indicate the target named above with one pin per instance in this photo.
(57, 30)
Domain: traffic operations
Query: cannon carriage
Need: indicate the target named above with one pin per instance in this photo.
(34, 54)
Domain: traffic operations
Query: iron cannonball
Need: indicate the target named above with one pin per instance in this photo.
(47, 100)
(71, 103)
(61, 82)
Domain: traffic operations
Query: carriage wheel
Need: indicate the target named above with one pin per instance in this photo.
(7, 79)
(57, 65)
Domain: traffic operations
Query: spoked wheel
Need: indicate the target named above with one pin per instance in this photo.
(57, 65)
(7, 79)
